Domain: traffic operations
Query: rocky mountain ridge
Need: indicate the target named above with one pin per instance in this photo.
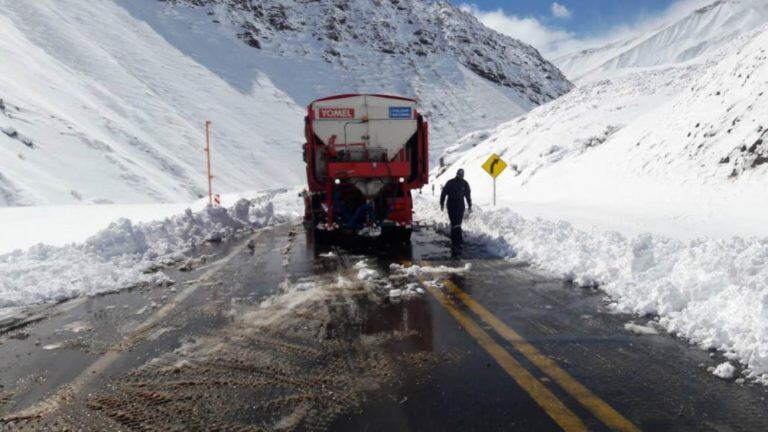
(414, 29)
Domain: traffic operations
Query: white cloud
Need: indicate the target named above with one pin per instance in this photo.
(560, 11)
(553, 41)
(527, 29)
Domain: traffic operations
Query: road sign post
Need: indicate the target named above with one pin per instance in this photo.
(494, 166)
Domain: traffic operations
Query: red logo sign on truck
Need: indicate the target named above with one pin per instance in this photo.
(337, 113)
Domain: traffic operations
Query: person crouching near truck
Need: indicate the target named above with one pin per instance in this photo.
(456, 191)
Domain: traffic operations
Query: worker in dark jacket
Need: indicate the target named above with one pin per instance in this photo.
(456, 190)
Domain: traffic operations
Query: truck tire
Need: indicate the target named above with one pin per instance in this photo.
(396, 235)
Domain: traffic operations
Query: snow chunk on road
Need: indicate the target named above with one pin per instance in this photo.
(364, 272)
(725, 371)
(367, 274)
(409, 291)
(415, 270)
(640, 329)
(78, 327)
(125, 254)
(51, 347)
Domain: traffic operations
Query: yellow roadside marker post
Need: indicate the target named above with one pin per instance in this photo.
(494, 166)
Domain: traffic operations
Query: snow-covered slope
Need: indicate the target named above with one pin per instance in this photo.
(582, 119)
(679, 151)
(98, 107)
(105, 101)
(692, 38)
(464, 75)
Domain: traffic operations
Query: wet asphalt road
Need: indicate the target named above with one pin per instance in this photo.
(292, 336)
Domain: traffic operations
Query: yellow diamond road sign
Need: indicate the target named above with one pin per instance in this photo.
(494, 165)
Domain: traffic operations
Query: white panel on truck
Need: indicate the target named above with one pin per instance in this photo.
(390, 123)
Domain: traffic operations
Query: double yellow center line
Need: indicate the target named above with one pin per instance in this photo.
(555, 408)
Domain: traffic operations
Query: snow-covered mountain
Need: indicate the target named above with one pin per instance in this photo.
(678, 150)
(105, 101)
(692, 38)
(464, 74)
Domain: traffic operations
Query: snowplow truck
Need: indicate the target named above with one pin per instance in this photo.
(364, 155)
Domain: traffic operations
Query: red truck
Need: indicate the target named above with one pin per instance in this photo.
(364, 154)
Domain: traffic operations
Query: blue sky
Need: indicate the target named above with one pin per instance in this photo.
(588, 17)
(561, 26)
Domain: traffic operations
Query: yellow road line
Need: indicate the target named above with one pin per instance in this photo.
(599, 408)
(545, 398)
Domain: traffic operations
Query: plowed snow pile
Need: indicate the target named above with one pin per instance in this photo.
(125, 254)
(712, 292)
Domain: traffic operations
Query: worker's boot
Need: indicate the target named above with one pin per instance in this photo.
(456, 237)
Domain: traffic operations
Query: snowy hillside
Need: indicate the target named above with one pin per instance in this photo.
(692, 38)
(105, 102)
(582, 119)
(96, 107)
(678, 151)
(464, 75)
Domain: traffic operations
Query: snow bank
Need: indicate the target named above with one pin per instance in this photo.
(709, 291)
(24, 227)
(124, 254)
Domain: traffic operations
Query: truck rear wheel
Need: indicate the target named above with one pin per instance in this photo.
(396, 235)
(324, 237)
